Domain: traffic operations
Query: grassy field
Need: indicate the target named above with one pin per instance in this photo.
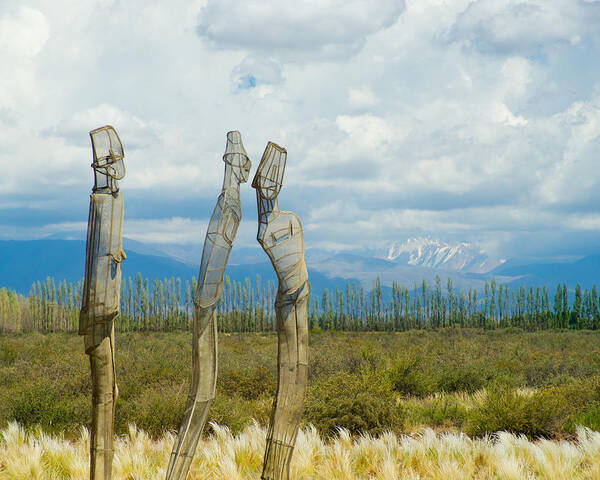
(540, 384)
(379, 405)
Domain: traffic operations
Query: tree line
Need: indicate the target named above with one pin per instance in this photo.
(167, 305)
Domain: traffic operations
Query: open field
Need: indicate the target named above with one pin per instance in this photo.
(223, 456)
(541, 384)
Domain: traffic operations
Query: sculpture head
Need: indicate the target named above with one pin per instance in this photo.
(235, 155)
(269, 176)
(108, 162)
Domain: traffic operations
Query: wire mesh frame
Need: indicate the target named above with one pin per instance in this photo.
(101, 296)
(235, 153)
(268, 179)
(218, 242)
(220, 235)
(108, 155)
(281, 237)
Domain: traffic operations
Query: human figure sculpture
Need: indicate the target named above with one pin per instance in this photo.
(221, 233)
(101, 292)
(280, 235)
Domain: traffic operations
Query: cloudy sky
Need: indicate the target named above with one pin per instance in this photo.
(455, 119)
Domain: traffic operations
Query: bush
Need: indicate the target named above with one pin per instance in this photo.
(362, 403)
(548, 412)
(464, 379)
(407, 377)
(590, 418)
(39, 405)
(153, 411)
(237, 413)
(504, 409)
(250, 384)
(439, 411)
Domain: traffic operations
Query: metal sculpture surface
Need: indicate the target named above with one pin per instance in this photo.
(101, 292)
(221, 233)
(280, 235)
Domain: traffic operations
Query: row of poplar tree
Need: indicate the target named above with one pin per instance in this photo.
(167, 305)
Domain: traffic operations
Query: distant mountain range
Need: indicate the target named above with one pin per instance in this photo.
(410, 262)
(434, 253)
(585, 272)
(25, 262)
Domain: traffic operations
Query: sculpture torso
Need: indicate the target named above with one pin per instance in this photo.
(101, 292)
(282, 239)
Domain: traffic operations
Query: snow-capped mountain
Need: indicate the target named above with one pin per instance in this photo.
(429, 252)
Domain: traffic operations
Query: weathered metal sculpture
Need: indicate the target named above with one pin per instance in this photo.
(101, 292)
(221, 233)
(280, 235)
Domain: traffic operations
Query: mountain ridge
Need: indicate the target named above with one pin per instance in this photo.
(435, 253)
(28, 261)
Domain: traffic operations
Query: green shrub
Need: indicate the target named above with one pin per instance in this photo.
(469, 378)
(331, 358)
(407, 377)
(579, 393)
(590, 418)
(371, 358)
(43, 405)
(237, 413)
(249, 384)
(504, 409)
(436, 411)
(154, 411)
(8, 355)
(363, 403)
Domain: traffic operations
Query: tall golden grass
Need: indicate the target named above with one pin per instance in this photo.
(223, 456)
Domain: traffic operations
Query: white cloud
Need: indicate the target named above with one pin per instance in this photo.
(23, 33)
(296, 31)
(68, 230)
(137, 132)
(360, 98)
(507, 26)
(570, 181)
(165, 230)
(517, 72)
(366, 131)
(181, 230)
(500, 113)
(586, 222)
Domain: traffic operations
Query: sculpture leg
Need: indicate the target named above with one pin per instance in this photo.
(104, 396)
(292, 363)
(201, 395)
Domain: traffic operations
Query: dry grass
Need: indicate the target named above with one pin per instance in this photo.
(222, 455)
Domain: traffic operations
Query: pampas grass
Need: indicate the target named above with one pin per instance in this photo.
(223, 456)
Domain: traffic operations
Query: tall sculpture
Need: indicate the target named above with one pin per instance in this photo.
(101, 292)
(280, 235)
(221, 233)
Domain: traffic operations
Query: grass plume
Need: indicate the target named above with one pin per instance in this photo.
(224, 455)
